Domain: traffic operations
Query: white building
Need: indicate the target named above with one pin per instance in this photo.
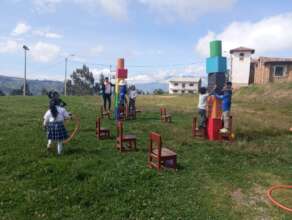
(240, 66)
(183, 86)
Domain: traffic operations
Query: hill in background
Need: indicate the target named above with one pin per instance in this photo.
(7, 84)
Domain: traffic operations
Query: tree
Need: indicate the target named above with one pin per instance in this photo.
(44, 92)
(2, 93)
(81, 83)
(158, 92)
(20, 91)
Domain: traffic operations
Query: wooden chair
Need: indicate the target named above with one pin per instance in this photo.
(159, 156)
(130, 115)
(196, 132)
(104, 114)
(164, 117)
(122, 139)
(101, 133)
(229, 136)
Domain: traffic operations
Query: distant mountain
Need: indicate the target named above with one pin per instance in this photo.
(150, 87)
(7, 84)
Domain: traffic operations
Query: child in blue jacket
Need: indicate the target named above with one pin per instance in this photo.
(226, 105)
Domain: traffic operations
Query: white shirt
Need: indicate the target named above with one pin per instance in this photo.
(203, 101)
(108, 88)
(62, 115)
(132, 94)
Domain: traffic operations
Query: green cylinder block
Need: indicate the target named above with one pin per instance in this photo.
(216, 48)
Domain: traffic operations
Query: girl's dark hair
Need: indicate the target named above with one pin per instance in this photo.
(53, 108)
(203, 90)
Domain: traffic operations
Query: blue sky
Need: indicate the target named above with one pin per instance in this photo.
(160, 39)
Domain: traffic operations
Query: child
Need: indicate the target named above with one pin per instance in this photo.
(226, 105)
(54, 122)
(132, 99)
(202, 105)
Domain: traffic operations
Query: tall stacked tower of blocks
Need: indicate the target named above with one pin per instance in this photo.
(216, 66)
(120, 90)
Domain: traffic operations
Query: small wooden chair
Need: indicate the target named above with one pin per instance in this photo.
(159, 156)
(104, 114)
(196, 132)
(229, 136)
(122, 139)
(164, 117)
(101, 133)
(130, 115)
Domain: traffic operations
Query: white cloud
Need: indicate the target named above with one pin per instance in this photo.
(46, 5)
(114, 8)
(47, 34)
(9, 46)
(44, 52)
(268, 35)
(187, 10)
(97, 50)
(21, 28)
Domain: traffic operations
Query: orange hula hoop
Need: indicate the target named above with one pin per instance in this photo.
(76, 119)
(274, 201)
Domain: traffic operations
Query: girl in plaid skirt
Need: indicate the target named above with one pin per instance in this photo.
(54, 122)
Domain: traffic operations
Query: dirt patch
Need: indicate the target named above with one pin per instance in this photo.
(254, 202)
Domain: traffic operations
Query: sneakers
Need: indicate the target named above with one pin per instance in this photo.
(224, 130)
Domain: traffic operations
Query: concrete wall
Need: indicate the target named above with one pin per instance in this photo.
(240, 69)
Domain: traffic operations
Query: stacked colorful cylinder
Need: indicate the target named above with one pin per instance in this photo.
(120, 87)
(216, 66)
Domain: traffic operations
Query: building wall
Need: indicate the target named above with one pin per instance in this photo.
(179, 89)
(240, 69)
(264, 73)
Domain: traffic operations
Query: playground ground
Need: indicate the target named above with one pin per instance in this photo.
(92, 180)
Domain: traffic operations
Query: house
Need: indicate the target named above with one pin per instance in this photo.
(241, 58)
(183, 85)
(267, 69)
(245, 70)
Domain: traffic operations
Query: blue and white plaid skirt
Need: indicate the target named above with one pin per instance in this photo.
(57, 131)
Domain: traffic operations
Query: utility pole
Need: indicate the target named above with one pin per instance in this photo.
(66, 67)
(24, 83)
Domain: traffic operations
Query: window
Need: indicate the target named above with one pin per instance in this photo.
(175, 84)
(183, 85)
(191, 92)
(241, 56)
(183, 91)
(191, 84)
(174, 91)
(279, 71)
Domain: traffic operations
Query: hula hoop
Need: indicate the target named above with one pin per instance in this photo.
(76, 119)
(274, 201)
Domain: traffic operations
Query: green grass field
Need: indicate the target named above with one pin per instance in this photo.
(92, 180)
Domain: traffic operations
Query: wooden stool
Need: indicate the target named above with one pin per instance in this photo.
(104, 114)
(196, 132)
(228, 136)
(164, 117)
(159, 156)
(101, 133)
(122, 139)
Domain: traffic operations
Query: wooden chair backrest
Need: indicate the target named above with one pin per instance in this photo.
(162, 111)
(98, 124)
(155, 142)
(120, 129)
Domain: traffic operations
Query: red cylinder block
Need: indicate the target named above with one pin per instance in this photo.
(214, 126)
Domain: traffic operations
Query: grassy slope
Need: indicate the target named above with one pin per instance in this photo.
(94, 181)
